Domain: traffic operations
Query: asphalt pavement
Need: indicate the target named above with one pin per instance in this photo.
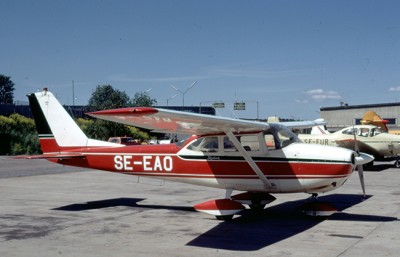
(52, 210)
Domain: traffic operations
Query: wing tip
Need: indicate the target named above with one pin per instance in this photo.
(126, 111)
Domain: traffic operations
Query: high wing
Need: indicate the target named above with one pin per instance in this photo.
(163, 120)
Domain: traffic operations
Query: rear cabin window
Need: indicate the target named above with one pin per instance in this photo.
(229, 146)
(250, 142)
(270, 142)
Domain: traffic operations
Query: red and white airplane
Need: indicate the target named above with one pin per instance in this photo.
(253, 157)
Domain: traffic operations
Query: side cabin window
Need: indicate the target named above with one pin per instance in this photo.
(223, 145)
(350, 131)
(271, 142)
(229, 146)
(276, 137)
(376, 131)
(205, 144)
(364, 132)
(250, 143)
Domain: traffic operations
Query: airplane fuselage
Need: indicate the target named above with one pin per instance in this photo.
(289, 169)
(379, 145)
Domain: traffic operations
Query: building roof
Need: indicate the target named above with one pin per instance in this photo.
(361, 106)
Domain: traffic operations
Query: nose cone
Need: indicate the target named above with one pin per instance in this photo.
(363, 158)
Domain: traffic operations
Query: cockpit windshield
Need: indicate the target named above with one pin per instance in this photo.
(279, 136)
(376, 131)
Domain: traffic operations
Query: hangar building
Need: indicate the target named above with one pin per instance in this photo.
(348, 115)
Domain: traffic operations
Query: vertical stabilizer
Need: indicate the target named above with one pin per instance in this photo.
(56, 128)
(319, 130)
(372, 118)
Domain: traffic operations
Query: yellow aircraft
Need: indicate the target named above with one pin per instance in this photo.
(372, 118)
(364, 138)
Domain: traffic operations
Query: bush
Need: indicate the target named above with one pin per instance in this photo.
(22, 136)
(22, 132)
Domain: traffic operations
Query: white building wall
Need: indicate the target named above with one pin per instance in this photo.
(340, 117)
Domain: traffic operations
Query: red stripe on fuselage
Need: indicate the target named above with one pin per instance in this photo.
(158, 161)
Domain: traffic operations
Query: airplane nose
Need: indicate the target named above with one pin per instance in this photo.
(363, 158)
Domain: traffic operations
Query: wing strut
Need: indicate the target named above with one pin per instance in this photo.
(250, 161)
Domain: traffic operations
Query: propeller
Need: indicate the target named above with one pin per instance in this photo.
(360, 160)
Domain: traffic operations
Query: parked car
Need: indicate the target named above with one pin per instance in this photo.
(124, 140)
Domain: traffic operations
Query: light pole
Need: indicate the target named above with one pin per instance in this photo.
(171, 98)
(184, 92)
(73, 93)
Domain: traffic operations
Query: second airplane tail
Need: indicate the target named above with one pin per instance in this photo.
(319, 130)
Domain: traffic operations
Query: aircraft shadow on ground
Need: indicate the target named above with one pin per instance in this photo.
(253, 231)
(127, 202)
(250, 231)
(378, 167)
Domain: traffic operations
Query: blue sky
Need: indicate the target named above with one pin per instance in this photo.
(290, 57)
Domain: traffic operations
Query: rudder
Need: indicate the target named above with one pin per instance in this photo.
(56, 128)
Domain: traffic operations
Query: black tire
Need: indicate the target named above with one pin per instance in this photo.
(224, 217)
(257, 207)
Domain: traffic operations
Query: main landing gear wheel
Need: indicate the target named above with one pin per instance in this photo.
(257, 207)
(256, 204)
(255, 200)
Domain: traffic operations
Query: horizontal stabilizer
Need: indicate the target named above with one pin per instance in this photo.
(52, 156)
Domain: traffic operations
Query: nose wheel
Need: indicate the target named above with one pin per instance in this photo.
(315, 208)
(313, 197)
(397, 162)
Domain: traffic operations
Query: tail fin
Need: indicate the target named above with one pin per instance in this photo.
(56, 129)
(371, 117)
(319, 130)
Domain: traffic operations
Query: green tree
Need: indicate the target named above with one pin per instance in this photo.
(143, 99)
(84, 124)
(6, 90)
(106, 97)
